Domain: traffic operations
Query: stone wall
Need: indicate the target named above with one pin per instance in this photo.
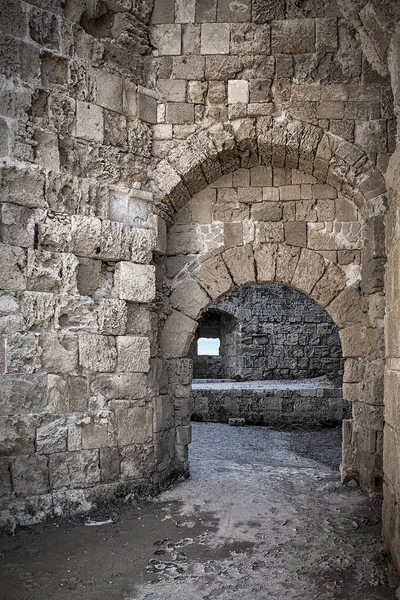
(280, 333)
(260, 132)
(275, 404)
(80, 408)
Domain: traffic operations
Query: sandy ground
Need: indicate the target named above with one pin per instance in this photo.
(263, 517)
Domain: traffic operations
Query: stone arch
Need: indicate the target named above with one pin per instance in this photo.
(322, 280)
(221, 148)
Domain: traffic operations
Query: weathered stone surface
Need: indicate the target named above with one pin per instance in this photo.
(51, 436)
(190, 298)
(30, 475)
(213, 276)
(59, 353)
(215, 38)
(74, 469)
(176, 335)
(240, 263)
(97, 352)
(22, 393)
(133, 354)
(134, 426)
(135, 282)
(114, 386)
(17, 436)
(12, 261)
(309, 270)
(51, 271)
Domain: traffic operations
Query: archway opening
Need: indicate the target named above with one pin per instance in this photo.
(279, 366)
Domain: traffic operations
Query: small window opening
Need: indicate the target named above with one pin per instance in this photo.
(208, 346)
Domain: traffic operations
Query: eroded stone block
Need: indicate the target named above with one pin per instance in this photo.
(135, 282)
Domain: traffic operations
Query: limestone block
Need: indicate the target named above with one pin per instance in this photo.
(335, 235)
(112, 315)
(354, 369)
(51, 271)
(268, 232)
(189, 298)
(47, 151)
(67, 393)
(166, 39)
(163, 413)
(76, 313)
(11, 317)
(126, 386)
(17, 225)
(135, 282)
(95, 434)
(330, 285)
(172, 90)
(265, 257)
(74, 469)
(143, 242)
(51, 435)
(188, 67)
(240, 263)
(23, 186)
(59, 353)
(22, 393)
(88, 276)
(17, 435)
(109, 89)
(362, 341)
(196, 91)
(30, 475)
(233, 234)
(346, 210)
(137, 462)
(348, 308)
(12, 267)
(296, 233)
(140, 319)
(249, 195)
(372, 384)
(133, 354)
(97, 353)
(293, 36)
(238, 91)
(309, 270)
(89, 122)
(176, 335)
(114, 242)
(5, 478)
(213, 276)
(163, 11)
(67, 194)
(147, 108)
(184, 434)
(134, 426)
(109, 464)
(179, 112)
(23, 354)
(55, 233)
(215, 38)
(86, 233)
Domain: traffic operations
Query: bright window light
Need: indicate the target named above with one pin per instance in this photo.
(208, 346)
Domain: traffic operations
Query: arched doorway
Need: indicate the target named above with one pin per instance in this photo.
(278, 225)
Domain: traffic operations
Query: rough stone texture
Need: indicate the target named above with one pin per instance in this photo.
(248, 149)
(268, 332)
(278, 404)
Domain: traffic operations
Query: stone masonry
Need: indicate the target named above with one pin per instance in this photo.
(268, 332)
(154, 156)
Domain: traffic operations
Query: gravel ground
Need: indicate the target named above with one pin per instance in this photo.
(263, 516)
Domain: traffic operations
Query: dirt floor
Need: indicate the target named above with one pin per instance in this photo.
(263, 517)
